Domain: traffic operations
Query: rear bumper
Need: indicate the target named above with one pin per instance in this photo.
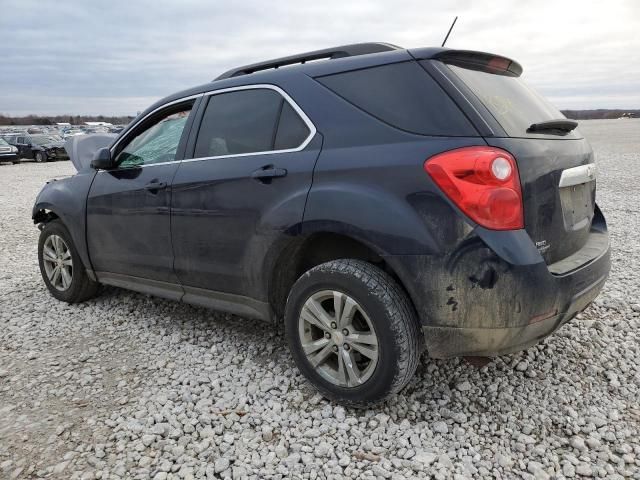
(443, 342)
(494, 294)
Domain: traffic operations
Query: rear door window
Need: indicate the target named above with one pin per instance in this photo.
(247, 121)
(404, 96)
(511, 102)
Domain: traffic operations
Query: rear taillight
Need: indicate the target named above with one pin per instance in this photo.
(483, 182)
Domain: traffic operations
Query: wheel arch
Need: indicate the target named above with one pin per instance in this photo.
(314, 249)
(43, 214)
(65, 200)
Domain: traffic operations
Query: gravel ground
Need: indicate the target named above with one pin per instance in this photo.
(129, 386)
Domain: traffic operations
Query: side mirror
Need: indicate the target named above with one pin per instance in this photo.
(102, 160)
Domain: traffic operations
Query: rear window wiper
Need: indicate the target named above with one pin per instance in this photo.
(562, 126)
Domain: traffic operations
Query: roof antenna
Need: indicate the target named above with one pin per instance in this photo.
(450, 28)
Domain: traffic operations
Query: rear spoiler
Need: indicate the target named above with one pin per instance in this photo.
(483, 61)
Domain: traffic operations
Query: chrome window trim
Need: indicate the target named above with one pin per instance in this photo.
(139, 166)
(257, 86)
(287, 98)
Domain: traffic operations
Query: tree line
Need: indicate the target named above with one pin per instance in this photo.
(72, 119)
(600, 114)
(124, 120)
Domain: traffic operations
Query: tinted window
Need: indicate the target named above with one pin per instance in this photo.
(239, 122)
(158, 142)
(513, 104)
(404, 96)
(292, 130)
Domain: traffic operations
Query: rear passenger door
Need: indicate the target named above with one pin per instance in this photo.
(244, 186)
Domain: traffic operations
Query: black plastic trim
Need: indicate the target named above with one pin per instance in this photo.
(226, 302)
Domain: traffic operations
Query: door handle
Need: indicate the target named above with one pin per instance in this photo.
(155, 186)
(267, 173)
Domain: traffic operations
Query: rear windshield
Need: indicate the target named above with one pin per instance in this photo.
(404, 96)
(513, 104)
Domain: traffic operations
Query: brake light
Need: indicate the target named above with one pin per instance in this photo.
(483, 182)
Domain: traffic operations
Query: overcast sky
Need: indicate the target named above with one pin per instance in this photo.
(117, 57)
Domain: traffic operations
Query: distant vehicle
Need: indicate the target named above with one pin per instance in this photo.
(41, 148)
(71, 133)
(381, 201)
(8, 152)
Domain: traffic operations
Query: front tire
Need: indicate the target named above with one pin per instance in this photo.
(41, 157)
(61, 267)
(352, 331)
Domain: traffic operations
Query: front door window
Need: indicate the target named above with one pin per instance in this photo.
(158, 143)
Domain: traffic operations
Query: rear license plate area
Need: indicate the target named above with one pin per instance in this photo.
(577, 205)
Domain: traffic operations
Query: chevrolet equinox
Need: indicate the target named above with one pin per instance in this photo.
(382, 201)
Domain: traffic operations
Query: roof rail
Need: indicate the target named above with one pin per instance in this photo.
(329, 53)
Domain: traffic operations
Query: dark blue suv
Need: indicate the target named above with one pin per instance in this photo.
(382, 201)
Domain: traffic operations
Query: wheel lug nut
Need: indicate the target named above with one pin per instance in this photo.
(346, 346)
(345, 331)
(327, 335)
(334, 325)
(335, 348)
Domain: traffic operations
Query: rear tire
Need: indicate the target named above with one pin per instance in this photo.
(373, 307)
(41, 157)
(57, 253)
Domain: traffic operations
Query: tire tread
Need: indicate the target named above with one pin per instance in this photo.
(402, 317)
(85, 288)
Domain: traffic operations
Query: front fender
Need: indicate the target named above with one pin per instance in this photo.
(66, 199)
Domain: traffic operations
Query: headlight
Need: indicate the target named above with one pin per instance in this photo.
(14, 149)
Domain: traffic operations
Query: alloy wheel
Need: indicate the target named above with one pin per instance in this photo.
(338, 338)
(58, 264)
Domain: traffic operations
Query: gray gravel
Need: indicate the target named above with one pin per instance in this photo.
(129, 386)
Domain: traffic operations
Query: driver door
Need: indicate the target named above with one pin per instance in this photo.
(128, 207)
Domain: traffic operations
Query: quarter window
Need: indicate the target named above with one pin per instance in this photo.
(292, 130)
(402, 95)
(248, 121)
(158, 143)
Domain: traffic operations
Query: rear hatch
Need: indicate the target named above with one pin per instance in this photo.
(555, 163)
